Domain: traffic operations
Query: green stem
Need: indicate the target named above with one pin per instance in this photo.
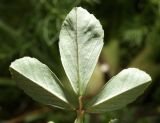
(80, 112)
(80, 117)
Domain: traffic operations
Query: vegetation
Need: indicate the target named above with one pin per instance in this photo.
(81, 40)
(31, 28)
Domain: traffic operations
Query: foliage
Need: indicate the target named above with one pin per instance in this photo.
(24, 30)
(81, 40)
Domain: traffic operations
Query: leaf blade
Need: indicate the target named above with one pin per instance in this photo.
(121, 90)
(38, 81)
(81, 41)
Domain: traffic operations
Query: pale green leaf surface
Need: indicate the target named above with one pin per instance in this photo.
(121, 90)
(81, 41)
(38, 81)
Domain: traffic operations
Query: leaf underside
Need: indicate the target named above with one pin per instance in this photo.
(81, 41)
(121, 90)
(38, 81)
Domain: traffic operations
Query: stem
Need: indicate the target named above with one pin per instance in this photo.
(80, 103)
(80, 112)
(80, 117)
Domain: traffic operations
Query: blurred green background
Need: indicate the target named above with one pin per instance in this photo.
(132, 39)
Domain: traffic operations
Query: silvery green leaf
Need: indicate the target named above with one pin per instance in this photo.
(81, 41)
(121, 90)
(38, 81)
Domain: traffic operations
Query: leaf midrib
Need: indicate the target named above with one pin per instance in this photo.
(77, 47)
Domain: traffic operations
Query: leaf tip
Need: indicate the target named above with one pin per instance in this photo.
(144, 75)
